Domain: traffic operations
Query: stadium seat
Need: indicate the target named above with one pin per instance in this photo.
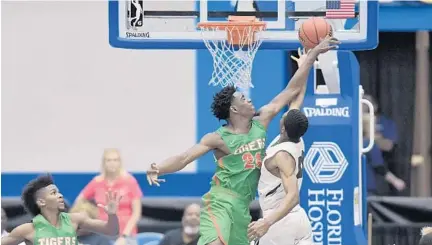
(147, 237)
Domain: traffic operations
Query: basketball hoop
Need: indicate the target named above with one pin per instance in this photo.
(233, 45)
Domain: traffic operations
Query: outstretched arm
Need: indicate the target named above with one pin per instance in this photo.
(376, 161)
(294, 87)
(17, 235)
(286, 165)
(291, 91)
(178, 162)
(109, 227)
(297, 101)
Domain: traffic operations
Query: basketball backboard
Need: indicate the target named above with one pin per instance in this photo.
(171, 24)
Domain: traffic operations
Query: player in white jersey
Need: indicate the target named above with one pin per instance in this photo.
(284, 222)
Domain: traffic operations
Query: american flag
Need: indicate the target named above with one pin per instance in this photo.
(340, 9)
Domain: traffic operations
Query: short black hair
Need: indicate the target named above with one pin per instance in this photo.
(296, 124)
(29, 193)
(222, 102)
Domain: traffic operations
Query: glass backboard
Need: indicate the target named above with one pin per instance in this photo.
(163, 24)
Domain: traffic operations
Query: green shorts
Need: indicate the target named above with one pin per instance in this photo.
(225, 215)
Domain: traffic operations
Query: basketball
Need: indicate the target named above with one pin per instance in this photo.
(312, 30)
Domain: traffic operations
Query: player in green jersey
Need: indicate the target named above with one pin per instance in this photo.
(238, 148)
(52, 226)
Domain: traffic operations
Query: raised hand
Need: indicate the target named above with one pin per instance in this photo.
(302, 55)
(326, 44)
(153, 175)
(112, 201)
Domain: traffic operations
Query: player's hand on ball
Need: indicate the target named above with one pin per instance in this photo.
(258, 229)
(153, 175)
(302, 55)
(328, 43)
(112, 201)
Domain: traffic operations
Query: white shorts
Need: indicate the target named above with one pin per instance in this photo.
(293, 229)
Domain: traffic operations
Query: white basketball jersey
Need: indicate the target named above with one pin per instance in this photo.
(270, 188)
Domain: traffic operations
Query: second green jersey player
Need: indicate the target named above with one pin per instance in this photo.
(51, 225)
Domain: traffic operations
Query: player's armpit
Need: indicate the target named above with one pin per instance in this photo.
(109, 227)
(176, 163)
(17, 235)
(287, 166)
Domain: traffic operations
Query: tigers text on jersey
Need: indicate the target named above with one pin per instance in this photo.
(47, 234)
(270, 188)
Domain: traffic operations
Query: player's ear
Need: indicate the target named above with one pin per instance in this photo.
(233, 109)
(283, 131)
(40, 202)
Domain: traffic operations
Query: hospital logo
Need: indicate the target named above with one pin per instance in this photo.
(325, 163)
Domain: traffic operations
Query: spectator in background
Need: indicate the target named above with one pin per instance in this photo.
(375, 164)
(189, 233)
(86, 237)
(114, 177)
(386, 135)
(4, 220)
(3, 223)
(426, 238)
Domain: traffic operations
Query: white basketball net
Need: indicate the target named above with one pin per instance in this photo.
(232, 64)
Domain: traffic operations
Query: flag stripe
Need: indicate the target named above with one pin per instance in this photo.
(340, 9)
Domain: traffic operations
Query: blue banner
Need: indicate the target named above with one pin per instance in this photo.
(331, 189)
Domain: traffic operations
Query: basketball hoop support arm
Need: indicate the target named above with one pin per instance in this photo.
(328, 64)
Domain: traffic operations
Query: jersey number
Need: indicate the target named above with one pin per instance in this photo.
(249, 159)
(300, 166)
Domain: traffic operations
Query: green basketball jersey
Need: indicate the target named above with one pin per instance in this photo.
(47, 234)
(240, 170)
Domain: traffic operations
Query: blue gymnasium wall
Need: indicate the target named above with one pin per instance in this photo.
(269, 74)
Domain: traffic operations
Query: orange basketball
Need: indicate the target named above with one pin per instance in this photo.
(312, 30)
